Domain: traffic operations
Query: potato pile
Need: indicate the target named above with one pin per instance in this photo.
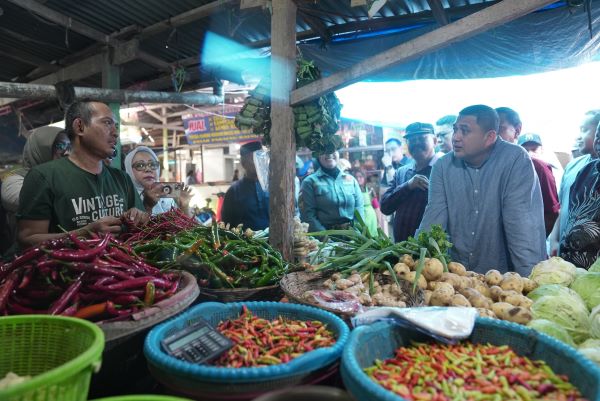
(355, 284)
(493, 294)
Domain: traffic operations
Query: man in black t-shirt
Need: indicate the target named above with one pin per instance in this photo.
(79, 193)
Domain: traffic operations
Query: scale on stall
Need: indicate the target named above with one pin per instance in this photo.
(197, 343)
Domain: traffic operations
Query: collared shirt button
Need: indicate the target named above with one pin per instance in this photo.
(476, 191)
(471, 254)
(476, 211)
(473, 233)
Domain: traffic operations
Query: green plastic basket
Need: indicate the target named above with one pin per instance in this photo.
(59, 353)
(147, 397)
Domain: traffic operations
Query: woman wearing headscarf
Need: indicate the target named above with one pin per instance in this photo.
(330, 196)
(142, 165)
(43, 145)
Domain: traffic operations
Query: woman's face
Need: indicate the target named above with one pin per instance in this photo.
(360, 178)
(329, 161)
(61, 146)
(145, 169)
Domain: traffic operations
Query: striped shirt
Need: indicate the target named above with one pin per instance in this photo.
(493, 214)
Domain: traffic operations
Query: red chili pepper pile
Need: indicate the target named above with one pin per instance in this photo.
(96, 279)
(262, 342)
(469, 371)
(159, 226)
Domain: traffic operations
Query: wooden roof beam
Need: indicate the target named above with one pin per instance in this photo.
(86, 30)
(315, 24)
(471, 25)
(438, 12)
(185, 18)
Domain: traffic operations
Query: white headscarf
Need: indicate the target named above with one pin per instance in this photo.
(129, 167)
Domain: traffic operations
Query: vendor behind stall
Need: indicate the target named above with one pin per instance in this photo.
(43, 145)
(143, 167)
(79, 193)
(330, 197)
(246, 202)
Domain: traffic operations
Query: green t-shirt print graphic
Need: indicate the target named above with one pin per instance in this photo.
(88, 210)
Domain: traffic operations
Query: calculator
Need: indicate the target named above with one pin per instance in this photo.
(197, 343)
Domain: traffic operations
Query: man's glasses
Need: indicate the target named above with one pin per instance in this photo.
(141, 166)
(62, 146)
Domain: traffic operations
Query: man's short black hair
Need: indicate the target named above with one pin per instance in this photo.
(446, 120)
(511, 116)
(80, 109)
(394, 140)
(486, 117)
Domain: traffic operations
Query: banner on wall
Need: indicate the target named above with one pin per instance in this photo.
(203, 129)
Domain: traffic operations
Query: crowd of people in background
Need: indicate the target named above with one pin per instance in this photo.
(504, 202)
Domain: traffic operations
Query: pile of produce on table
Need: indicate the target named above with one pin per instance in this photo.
(159, 226)
(217, 256)
(263, 342)
(424, 262)
(469, 372)
(566, 305)
(99, 279)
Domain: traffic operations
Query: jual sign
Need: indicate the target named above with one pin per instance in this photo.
(203, 129)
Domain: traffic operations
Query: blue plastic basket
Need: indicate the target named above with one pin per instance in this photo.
(194, 379)
(380, 340)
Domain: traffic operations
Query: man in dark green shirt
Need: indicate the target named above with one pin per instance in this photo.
(79, 193)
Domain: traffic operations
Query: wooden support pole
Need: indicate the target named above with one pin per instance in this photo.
(481, 21)
(111, 79)
(283, 141)
(165, 145)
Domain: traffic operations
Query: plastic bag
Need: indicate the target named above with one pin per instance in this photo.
(334, 300)
(448, 325)
(262, 159)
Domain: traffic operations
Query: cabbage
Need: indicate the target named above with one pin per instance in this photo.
(553, 290)
(552, 329)
(590, 343)
(595, 267)
(591, 353)
(588, 286)
(579, 271)
(569, 312)
(553, 271)
(595, 322)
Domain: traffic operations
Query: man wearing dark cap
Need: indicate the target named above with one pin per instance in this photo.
(486, 195)
(406, 198)
(245, 201)
(533, 144)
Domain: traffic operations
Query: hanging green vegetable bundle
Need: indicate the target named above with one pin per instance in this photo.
(315, 122)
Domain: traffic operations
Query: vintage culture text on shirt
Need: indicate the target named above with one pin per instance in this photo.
(94, 208)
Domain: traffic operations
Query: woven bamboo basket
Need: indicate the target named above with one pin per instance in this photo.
(295, 284)
(268, 293)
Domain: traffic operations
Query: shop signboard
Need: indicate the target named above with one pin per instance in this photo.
(203, 129)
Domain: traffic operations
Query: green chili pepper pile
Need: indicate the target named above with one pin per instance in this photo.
(262, 342)
(469, 372)
(218, 257)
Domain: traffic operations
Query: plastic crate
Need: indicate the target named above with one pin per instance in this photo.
(380, 340)
(240, 383)
(59, 353)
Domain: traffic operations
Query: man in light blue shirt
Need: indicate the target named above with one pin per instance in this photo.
(487, 197)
